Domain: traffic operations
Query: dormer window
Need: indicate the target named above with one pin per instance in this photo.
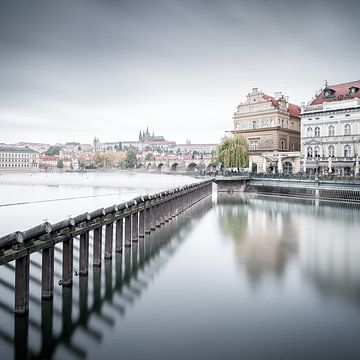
(353, 90)
(328, 93)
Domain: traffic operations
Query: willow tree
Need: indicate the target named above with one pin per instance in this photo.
(233, 152)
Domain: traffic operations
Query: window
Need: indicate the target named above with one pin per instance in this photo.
(254, 124)
(331, 151)
(347, 151)
(309, 151)
(331, 130)
(317, 132)
(316, 151)
(309, 132)
(347, 129)
(282, 145)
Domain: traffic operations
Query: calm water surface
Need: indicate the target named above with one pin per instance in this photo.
(234, 277)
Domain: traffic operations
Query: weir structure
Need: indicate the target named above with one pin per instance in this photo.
(124, 224)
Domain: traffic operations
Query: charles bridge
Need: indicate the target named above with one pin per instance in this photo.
(180, 163)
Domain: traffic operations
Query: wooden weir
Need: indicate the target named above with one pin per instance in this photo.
(131, 220)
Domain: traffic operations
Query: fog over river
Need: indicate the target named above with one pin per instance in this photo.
(234, 277)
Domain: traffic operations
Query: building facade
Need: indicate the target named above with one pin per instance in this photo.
(271, 127)
(330, 130)
(14, 158)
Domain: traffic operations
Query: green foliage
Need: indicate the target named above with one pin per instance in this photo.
(60, 164)
(149, 156)
(130, 161)
(53, 150)
(233, 152)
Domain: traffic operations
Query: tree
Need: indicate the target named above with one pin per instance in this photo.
(149, 156)
(130, 161)
(53, 150)
(233, 152)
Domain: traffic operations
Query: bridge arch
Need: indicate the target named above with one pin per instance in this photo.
(149, 166)
(174, 167)
(192, 167)
(160, 166)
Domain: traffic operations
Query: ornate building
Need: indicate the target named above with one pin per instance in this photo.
(271, 126)
(330, 130)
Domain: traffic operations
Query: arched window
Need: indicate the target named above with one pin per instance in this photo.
(331, 151)
(309, 132)
(317, 132)
(282, 145)
(287, 167)
(309, 151)
(316, 151)
(347, 151)
(331, 130)
(347, 129)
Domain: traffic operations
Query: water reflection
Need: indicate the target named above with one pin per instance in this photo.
(271, 233)
(106, 292)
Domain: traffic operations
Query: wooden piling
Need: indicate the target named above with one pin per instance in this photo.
(128, 231)
(97, 247)
(147, 220)
(119, 235)
(84, 254)
(67, 264)
(47, 270)
(135, 227)
(109, 240)
(141, 223)
(22, 272)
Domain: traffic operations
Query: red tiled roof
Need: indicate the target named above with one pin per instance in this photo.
(341, 92)
(294, 110)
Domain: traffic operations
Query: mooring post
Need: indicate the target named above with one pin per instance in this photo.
(22, 270)
(67, 265)
(109, 230)
(135, 227)
(119, 235)
(128, 231)
(97, 246)
(84, 254)
(141, 223)
(47, 273)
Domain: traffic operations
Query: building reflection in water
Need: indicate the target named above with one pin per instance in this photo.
(270, 232)
(52, 327)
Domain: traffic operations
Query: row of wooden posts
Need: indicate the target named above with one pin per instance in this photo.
(132, 220)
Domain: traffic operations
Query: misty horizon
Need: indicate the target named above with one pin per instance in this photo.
(73, 70)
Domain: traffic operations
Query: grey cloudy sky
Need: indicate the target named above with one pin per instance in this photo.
(72, 69)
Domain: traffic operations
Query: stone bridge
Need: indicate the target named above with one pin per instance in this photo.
(165, 164)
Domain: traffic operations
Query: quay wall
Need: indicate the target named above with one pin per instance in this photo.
(349, 192)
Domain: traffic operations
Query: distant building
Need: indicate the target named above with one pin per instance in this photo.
(330, 130)
(145, 137)
(16, 158)
(96, 144)
(271, 127)
(195, 148)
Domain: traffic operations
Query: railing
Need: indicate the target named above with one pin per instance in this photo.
(130, 221)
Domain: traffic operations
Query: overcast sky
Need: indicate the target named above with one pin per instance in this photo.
(72, 69)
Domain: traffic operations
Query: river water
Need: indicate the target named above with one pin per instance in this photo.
(236, 276)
